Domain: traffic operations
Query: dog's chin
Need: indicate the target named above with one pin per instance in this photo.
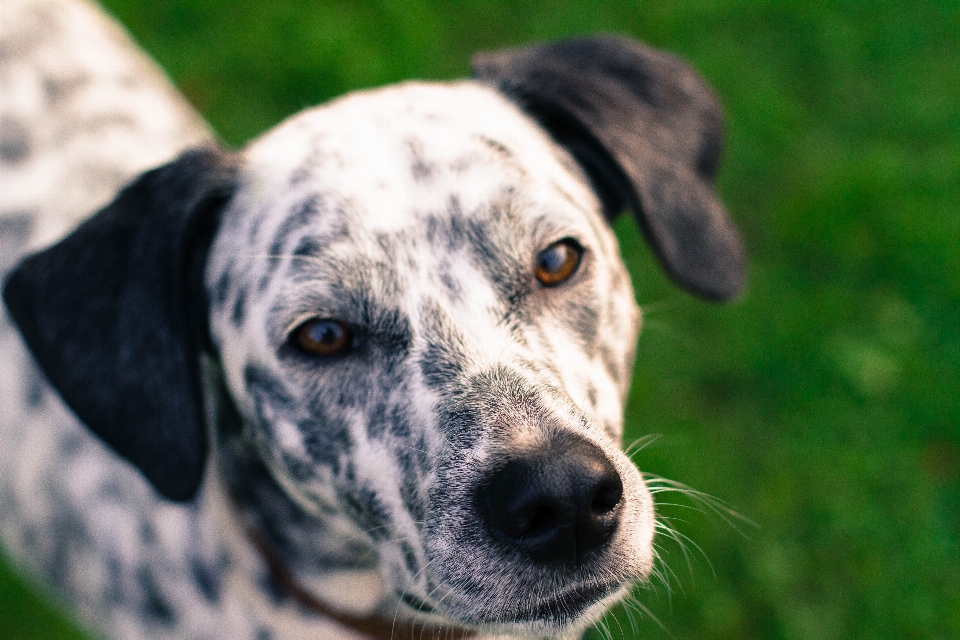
(563, 614)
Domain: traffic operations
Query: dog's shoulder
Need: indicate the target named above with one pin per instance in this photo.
(83, 111)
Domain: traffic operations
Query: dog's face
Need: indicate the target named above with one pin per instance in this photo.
(422, 320)
(477, 313)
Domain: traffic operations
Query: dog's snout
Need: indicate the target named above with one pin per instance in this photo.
(558, 504)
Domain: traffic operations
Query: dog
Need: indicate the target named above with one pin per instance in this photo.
(363, 378)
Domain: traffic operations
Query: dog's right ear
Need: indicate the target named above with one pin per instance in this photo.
(115, 314)
(647, 130)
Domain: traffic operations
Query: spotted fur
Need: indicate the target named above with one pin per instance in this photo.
(412, 214)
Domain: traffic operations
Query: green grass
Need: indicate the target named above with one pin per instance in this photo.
(824, 404)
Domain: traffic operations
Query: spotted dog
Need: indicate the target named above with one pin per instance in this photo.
(363, 378)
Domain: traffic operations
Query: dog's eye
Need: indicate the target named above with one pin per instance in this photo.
(322, 337)
(558, 262)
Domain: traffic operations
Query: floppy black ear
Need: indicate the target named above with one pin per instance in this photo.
(647, 130)
(115, 315)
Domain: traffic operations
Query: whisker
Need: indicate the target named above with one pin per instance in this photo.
(658, 484)
(670, 572)
(661, 571)
(640, 443)
(632, 602)
(634, 629)
(604, 630)
(659, 306)
(682, 541)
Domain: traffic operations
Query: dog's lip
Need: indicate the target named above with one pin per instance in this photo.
(571, 602)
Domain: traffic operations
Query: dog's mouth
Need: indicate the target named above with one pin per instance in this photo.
(561, 609)
(569, 605)
(415, 603)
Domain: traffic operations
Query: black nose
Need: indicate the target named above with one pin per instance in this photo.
(558, 504)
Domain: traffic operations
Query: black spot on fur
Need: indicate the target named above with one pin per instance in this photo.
(582, 317)
(591, 394)
(420, 169)
(299, 538)
(69, 445)
(14, 141)
(324, 437)
(155, 605)
(409, 558)
(399, 423)
(303, 172)
(265, 279)
(60, 89)
(448, 232)
(256, 223)
(365, 508)
(326, 440)
(265, 387)
(307, 247)
(71, 535)
(307, 260)
(449, 282)
(147, 534)
(490, 243)
(491, 401)
(239, 307)
(14, 233)
(274, 591)
(305, 212)
(443, 356)
(221, 290)
(206, 578)
(611, 362)
(377, 420)
(36, 388)
(115, 584)
(112, 490)
(412, 487)
(498, 148)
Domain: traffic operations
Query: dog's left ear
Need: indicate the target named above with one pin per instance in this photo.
(647, 131)
(115, 315)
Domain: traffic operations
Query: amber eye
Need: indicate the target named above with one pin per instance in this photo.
(322, 337)
(558, 262)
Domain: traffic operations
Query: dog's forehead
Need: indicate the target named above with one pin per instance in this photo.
(408, 148)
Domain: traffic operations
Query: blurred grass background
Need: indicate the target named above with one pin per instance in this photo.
(824, 404)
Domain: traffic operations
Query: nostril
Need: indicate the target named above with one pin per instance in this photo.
(606, 497)
(541, 519)
(521, 521)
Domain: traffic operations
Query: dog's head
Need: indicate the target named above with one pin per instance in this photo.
(420, 314)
